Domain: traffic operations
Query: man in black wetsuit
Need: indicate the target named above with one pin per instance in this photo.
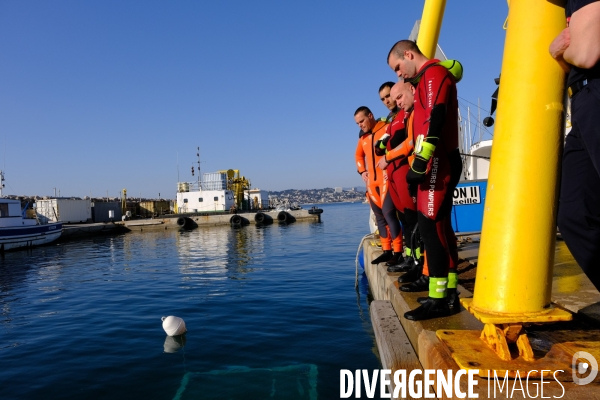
(577, 50)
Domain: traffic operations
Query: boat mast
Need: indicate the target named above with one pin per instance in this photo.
(469, 119)
(479, 118)
(1, 182)
(199, 181)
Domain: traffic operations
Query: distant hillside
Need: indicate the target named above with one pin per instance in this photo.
(327, 195)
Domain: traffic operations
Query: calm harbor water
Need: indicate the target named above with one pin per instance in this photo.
(272, 312)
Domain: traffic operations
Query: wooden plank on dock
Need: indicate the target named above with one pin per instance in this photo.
(395, 350)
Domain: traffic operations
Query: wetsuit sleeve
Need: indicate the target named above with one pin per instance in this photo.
(381, 144)
(435, 88)
(360, 158)
(437, 84)
(403, 150)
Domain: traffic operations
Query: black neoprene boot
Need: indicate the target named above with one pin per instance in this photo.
(412, 275)
(452, 298)
(386, 256)
(431, 308)
(420, 285)
(404, 266)
(395, 262)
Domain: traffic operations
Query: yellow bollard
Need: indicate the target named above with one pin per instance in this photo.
(516, 257)
(431, 24)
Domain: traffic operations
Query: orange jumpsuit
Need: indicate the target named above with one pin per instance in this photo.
(366, 161)
(377, 188)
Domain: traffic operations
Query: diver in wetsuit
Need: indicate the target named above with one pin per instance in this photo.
(396, 148)
(391, 209)
(376, 181)
(434, 172)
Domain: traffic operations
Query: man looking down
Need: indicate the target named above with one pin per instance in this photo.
(435, 170)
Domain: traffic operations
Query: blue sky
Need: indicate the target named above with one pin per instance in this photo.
(101, 96)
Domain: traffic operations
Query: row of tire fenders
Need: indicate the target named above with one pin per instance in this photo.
(260, 218)
(283, 217)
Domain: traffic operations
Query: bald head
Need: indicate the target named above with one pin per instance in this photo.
(403, 94)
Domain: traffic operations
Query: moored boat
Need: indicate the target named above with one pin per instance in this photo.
(17, 231)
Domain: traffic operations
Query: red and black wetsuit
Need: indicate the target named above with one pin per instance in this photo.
(436, 116)
(398, 150)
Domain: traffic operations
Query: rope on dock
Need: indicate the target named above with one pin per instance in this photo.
(357, 253)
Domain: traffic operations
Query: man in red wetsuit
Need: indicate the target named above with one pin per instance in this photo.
(396, 148)
(434, 171)
(391, 210)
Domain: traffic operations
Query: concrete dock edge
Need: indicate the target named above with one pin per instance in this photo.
(424, 350)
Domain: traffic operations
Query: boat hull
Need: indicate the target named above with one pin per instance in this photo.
(28, 236)
(468, 206)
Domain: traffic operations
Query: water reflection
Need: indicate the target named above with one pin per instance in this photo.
(174, 343)
(19, 269)
(219, 253)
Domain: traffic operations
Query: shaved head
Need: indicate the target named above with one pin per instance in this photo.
(405, 59)
(400, 47)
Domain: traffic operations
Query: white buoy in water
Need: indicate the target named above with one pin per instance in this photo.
(173, 326)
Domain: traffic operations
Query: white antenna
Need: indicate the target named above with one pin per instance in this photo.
(479, 118)
(461, 134)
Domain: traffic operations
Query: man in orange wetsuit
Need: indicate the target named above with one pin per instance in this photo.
(376, 181)
(434, 171)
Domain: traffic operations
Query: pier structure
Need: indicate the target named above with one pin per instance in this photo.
(76, 231)
(419, 345)
(204, 220)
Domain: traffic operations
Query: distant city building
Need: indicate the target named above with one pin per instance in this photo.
(338, 190)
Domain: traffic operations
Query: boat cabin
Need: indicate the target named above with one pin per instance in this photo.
(10, 214)
(204, 201)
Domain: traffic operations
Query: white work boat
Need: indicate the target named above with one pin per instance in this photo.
(17, 231)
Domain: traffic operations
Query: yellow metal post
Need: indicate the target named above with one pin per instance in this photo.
(431, 24)
(124, 201)
(514, 273)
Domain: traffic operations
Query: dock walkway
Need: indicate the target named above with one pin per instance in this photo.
(405, 344)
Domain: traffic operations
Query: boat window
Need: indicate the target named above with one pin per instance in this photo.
(3, 210)
(216, 198)
(185, 200)
(200, 199)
